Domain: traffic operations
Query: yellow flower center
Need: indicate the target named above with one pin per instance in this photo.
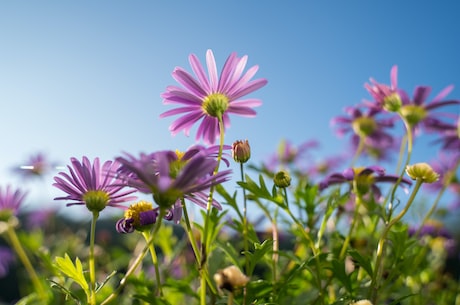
(135, 209)
(215, 104)
(179, 154)
(96, 200)
(176, 166)
(363, 182)
(364, 126)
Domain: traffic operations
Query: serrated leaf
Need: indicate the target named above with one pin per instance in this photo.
(259, 251)
(73, 271)
(260, 191)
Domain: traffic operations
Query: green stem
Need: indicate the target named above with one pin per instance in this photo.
(352, 227)
(311, 244)
(402, 149)
(188, 229)
(204, 244)
(275, 256)
(230, 298)
(409, 154)
(299, 225)
(245, 221)
(92, 264)
(153, 254)
(16, 244)
(381, 244)
(447, 179)
(136, 262)
(359, 151)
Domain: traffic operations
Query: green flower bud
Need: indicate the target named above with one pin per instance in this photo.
(282, 179)
(241, 151)
(422, 171)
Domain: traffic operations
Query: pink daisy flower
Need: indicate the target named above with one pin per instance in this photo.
(211, 97)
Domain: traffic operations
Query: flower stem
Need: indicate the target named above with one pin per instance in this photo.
(381, 244)
(136, 262)
(92, 265)
(16, 245)
(409, 154)
(352, 227)
(245, 221)
(359, 151)
(188, 229)
(153, 254)
(311, 244)
(204, 244)
(230, 298)
(447, 179)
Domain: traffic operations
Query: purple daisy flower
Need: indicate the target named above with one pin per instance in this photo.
(289, 154)
(10, 201)
(381, 92)
(169, 175)
(446, 165)
(365, 126)
(325, 166)
(377, 150)
(366, 179)
(142, 215)
(36, 166)
(93, 185)
(450, 137)
(436, 229)
(6, 259)
(417, 112)
(207, 99)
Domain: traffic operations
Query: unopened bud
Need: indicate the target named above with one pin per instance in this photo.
(230, 278)
(241, 151)
(282, 179)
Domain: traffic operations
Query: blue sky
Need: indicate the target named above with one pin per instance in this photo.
(84, 78)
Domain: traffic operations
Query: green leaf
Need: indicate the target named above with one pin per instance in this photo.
(261, 191)
(259, 251)
(363, 262)
(229, 249)
(338, 268)
(230, 200)
(65, 291)
(73, 271)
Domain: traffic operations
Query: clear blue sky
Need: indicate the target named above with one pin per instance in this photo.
(85, 77)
